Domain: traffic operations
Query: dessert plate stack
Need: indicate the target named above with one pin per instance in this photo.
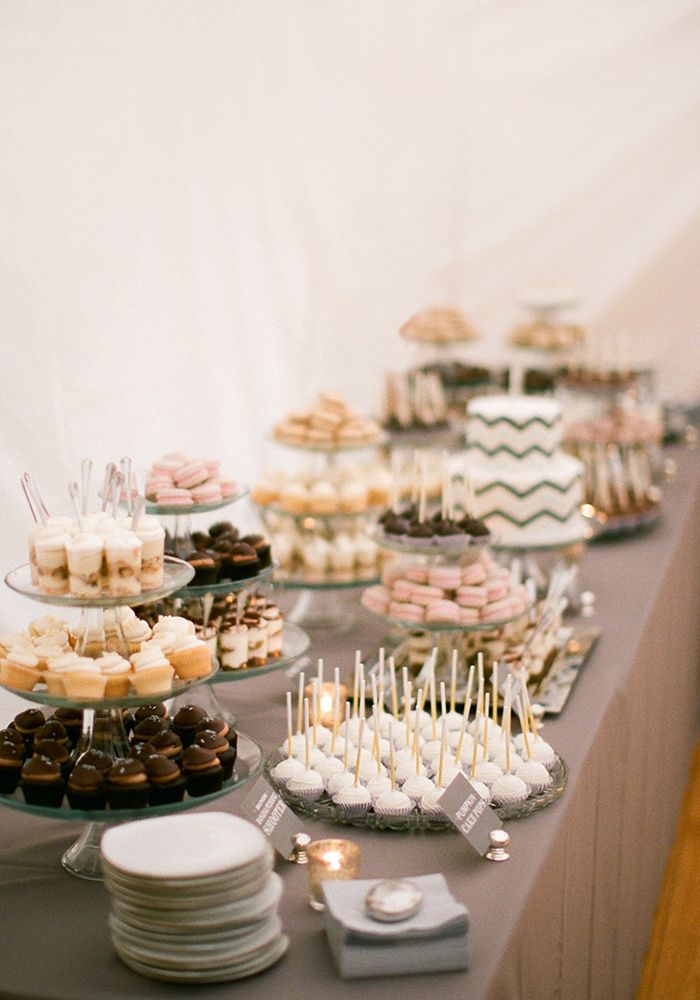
(194, 898)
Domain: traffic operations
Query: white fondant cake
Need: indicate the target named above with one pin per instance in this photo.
(525, 488)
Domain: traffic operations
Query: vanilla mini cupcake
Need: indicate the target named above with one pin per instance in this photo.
(508, 790)
(152, 673)
(135, 632)
(56, 668)
(173, 623)
(20, 669)
(190, 657)
(354, 800)
(393, 804)
(117, 672)
(84, 679)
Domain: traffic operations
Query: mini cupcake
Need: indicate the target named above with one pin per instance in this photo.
(97, 758)
(58, 752)
(166, 780)
(72, 720)
(127, 785)
(535, 775)
(185, 722)
(152, 672)
(85, 788)
(52, 730)
(84, 680)
(20, 669)
(117, 672)
(41, 782)
(155, 708)
(354, 800)
(11, 761)
(286, 770)
(308, 785)
(393, 805)
(218, 725)
(190, 657)
(202, 770)
(220, 745)
(206, 566)
(240, 562)
(508, 790)
(167, 744)
(147, 728)
(27, 723)
(261, 546)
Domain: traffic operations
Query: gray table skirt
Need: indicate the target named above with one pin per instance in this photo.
(568, 917)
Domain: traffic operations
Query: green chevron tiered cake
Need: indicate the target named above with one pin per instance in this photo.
(526, 489)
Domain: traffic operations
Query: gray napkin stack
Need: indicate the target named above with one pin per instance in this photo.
(433, 940)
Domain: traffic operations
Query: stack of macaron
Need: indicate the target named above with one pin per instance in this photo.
(328, 423)
(481, 592)
(176, 480)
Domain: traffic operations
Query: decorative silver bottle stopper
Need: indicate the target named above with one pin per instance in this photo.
(299, 856)
(499, 841)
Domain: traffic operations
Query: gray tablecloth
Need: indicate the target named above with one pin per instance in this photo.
(569, 916)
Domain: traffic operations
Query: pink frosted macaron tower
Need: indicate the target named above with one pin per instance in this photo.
(453, 580)
(177, 480)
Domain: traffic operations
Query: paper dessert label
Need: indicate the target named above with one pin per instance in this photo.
(472, 815)
(270, 813)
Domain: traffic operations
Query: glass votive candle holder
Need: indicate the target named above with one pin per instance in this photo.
(326, 701)
(330, 859)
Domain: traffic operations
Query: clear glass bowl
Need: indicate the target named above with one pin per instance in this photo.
(176, 575)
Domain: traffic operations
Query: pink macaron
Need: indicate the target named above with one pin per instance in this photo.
(406, 611)
(423, 594)
(497, 610)
(228, 487)
(496, 590)
(391, 573)
(376, 599)
(471, 597)
(468, 616)
(213, 465)
(174, 498)
(474, 574)
(446, 577)
(206, 493)
(402, 590)
(443, 611)
(191, 475)
(417, 574)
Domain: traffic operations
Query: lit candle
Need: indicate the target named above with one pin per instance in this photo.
(330, 859)
(326, 700)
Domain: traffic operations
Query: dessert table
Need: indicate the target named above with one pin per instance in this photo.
(568, 916)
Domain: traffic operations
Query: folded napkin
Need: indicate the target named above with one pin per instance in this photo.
(434, 939)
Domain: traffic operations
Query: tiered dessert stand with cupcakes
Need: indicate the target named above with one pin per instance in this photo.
(319, 534)
(448, 582)
(229, 597)
(105, 566)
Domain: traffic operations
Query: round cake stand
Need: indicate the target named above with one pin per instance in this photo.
(295, 643)
(320, 606)
(83, 857)
(182, 525)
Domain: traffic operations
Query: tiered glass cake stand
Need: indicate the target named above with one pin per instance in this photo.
(199, 600)
(319, 605)
(103, 725)
(446, 553)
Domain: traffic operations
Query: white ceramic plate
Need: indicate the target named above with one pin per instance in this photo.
(222, 975)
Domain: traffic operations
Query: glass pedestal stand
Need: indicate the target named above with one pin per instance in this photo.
(181, 535)
(321, 606)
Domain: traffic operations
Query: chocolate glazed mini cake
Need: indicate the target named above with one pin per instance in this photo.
(220, 745)
(185, 722)
(167, 783)
(127, 785)
(41, 782)
(203, 771)
(85, 788)
(11, 761)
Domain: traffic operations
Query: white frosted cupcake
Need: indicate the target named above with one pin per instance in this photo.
(416, 786)
(286, 770)
(535, 775)
(378, 785)
(354, 800)
(487, 772)
(393, 804)
(328, 767)
(509, 790)
(307, 785)
(343, 779)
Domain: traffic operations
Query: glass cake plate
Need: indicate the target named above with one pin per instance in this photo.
(295, 643)
(300, 583)
(40, 695)
(226, 586)
(308, 519)
(607, 528)
(326, 810)
(196, 508)
(460, 545)
(332, 449)
(176, 575)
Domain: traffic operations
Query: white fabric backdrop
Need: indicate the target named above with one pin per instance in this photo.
(210, 210)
